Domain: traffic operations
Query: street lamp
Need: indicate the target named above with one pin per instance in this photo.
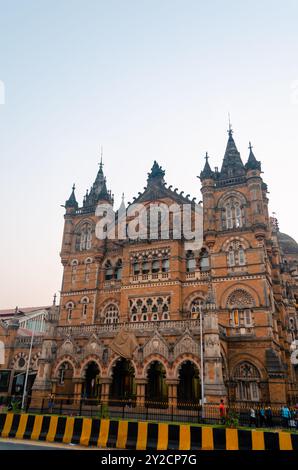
(28, 365)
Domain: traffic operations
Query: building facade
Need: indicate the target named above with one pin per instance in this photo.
(132, 310)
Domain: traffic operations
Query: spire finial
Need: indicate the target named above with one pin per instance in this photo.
(101, 155)
(250, 146)
(230, 131)
(73, 186)
(54, 299)
(123, 198)
(207, 157)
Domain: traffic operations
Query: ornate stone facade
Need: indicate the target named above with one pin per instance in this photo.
(240, 282)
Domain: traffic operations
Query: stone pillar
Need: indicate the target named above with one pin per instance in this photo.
(141, 391)
(77, 389)
(172, 391)
(214, 384)
(277, 390)
(105, 388)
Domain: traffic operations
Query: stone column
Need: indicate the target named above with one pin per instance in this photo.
(105, 388)
(172, 391)
(214, 384)
(141, 391)
(78, 382)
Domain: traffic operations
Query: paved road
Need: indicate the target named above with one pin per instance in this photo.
(14, 444)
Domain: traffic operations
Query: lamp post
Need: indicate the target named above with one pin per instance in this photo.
(28, 366)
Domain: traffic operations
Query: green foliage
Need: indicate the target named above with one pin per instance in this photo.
(232, 419)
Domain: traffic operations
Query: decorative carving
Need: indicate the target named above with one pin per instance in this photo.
(186, 344)
(240, 298)
(156, 345)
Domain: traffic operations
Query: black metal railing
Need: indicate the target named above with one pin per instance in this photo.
(237, 414)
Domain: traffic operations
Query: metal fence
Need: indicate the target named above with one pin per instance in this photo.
(147, 410)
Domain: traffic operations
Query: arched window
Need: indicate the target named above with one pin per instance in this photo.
(155, 265)
(135, 267)
(86, 237)
(84, 302)
(165, 264)
(190, 262)
(74, 268)
(69, 309)
(118, 270)
(236, 254)
(233, 214)
(240, 304)
(109, 271)
(204, 261)
(88, 262)
(195, 308)
(247, 378)
(111, 314)
(145, 265)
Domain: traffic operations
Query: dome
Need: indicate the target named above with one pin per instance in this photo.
(288, 245)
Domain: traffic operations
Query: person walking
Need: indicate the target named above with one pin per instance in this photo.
(286, 416)
(262, 416)
(252, 417)
(222, 412)
(51, 402)
(268, 416)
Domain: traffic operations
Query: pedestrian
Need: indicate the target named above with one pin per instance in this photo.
(252, 417)
(262, 416)
(51, 402)
(268, 416)
(286, 416)
(222, 412)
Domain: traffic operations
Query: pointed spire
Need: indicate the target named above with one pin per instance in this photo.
(232, 164)
(206, 172)
(71, 201)
(54, 299)
(252, 163)
(99, 191)
(157, 174)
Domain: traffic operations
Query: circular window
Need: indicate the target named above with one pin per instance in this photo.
(21, 362)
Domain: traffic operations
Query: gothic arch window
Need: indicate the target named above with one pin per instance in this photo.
(135, 266)
(165, 264)
(233, 214)
(190, 261)
(88, 262)
(155, 264)
(247, 378)
(85, 301)
(145, 265)
(236, 254)
(150, 308)
(240, 304)
(195, 307)
(69, 309)
(111, 314)
(74, 268)
(109, 271)
(118, 270)
(85, 237)
(204, 260)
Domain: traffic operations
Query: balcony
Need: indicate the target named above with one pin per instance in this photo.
(172, 326)
(151, 277)
(197, 275)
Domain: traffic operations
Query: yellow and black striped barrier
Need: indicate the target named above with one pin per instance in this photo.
(140, 435)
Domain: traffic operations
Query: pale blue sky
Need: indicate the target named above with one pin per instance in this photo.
(147, 80)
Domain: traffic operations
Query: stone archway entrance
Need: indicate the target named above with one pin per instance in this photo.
(156, 388)
(189, 387)
(91, 386)
(123, 381)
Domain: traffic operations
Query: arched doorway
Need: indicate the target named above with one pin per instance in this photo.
(189, 387)
(123, 383)
(91, 386)
(65, 385)
(156, 388)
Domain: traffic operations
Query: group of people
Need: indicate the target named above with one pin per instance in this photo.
(262, 416)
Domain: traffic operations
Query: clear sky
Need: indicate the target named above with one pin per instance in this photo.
(146, 79)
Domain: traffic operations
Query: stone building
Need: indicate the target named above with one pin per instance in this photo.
(129, 318)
